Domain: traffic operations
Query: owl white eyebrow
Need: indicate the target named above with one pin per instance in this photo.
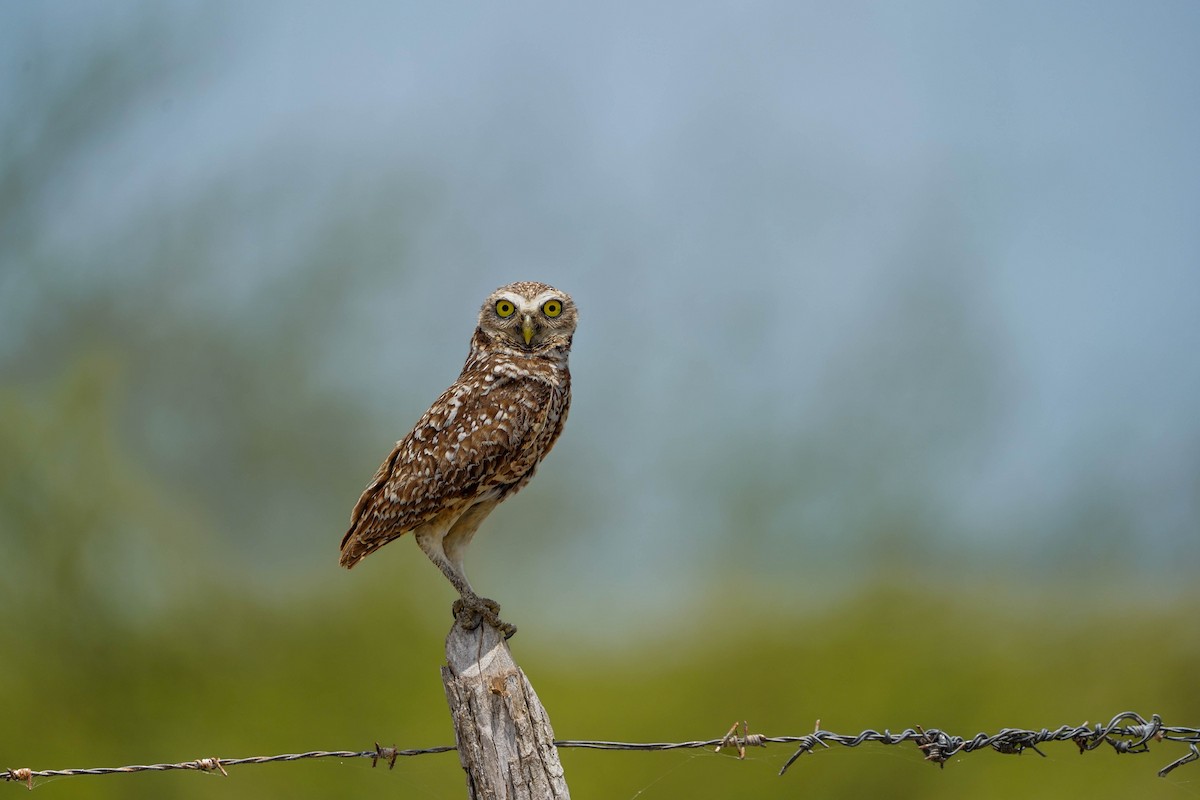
(545, 297)
(515, 299)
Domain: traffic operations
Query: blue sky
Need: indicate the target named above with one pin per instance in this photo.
(965, 229)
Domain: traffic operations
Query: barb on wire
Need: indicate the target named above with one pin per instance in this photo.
(1125, 733)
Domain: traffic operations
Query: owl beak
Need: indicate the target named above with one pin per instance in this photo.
(527, 328)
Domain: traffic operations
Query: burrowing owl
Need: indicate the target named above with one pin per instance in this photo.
(479, 443)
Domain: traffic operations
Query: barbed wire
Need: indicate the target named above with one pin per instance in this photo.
(380, 753)
(1127, 732)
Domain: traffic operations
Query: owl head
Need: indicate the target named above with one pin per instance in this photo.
(528, 317)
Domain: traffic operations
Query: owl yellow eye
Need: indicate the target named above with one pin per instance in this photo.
(504, 308)
(552, 308)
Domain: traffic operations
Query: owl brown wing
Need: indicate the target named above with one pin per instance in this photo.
(469, 443)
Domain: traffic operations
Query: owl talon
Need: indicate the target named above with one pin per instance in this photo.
(468, 616)
(502, 626)
(491, 614)
(470, 612)
(490, 605)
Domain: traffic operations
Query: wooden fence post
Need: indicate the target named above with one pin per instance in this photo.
(504, 738)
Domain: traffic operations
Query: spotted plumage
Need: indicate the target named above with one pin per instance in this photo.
(480, 442)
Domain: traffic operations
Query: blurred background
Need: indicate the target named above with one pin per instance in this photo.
(885, 402)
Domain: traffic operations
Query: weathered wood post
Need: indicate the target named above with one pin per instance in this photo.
(504, 738)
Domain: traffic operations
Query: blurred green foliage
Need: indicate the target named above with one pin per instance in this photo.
(221, 672)
(104, 665)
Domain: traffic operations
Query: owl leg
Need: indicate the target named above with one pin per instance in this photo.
(446, 551)
(454, 545)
